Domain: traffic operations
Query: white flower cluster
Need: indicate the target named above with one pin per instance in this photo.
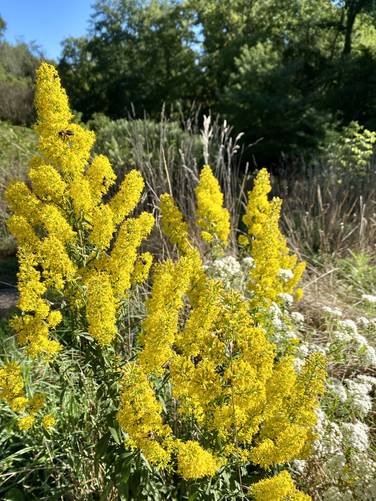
(369, 298)
(355, 435)
(342, 451)
(333, 312)
(358, 392)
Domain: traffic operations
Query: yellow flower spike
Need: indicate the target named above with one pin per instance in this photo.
(100, 176)
(170, 282)
(81, 196)
(47, 183)
(12, 386)
(103, 226)
(101, 308)
(22, 201)
(268, 247)
(142, 268)
(277, 488)
(61, 142)
(51, 100)
(173, 224)
(120, 264)
(140, 416)
(213, 218)
(128, 196)
(23, 232)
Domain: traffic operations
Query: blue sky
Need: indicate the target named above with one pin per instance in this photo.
(47, 22)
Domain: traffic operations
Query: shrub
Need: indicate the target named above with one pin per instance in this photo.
(185, 376)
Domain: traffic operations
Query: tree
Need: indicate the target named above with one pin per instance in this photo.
(137, 53)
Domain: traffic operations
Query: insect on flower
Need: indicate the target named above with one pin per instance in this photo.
(65, 134)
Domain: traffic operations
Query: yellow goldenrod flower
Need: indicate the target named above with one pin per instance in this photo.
(101, 308)
(25, 422)
(173, 224)
(47, 183)
(103, 226)
(213, 219)
(48, 421)
(140, 417)
(195, 462)
(36, 402)
(278, 488)
(123, 256)
(142, 268)
(100, 176)
(268, 247)
(128, 196)
(12, 386)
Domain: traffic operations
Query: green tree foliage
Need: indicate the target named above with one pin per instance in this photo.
(137, 53)
(285, 72)
(17, 68)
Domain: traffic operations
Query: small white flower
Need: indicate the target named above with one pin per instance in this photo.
(297, 317)
(286, 274)
(349, 325)
(287, 298)
(369, 298)
(303, 350)
(333, 494)
(343, 337)
(299, 465)
(291, 335)
(356, 435)
(368, 354)
(338, 390)
(248, 262)
(358, 393)
(333, 312)
(334, 465)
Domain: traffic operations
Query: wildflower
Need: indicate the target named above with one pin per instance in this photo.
(101, 308)
(297, 317)
(348, 325)
(25, 422)
(194, 461)
(12, 386)
(333, 312)
(364, 322)
(128, 196)
(213, 219)
(48, 421)
(268, 246)
(173, 224)
(36, 403)
(277, 488)
(140, 417)
(100, 176)
(369, 298)
(356, 435)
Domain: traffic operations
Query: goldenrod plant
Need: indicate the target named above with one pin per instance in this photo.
(193, 387)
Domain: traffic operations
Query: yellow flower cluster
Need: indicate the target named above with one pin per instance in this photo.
(194, 461)
(202, 346)
(213, 219)
(65, 230)
(268, 247)
(12, 387)
(173, 224)
(140, 416)
(278, 488)
(12, 392)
